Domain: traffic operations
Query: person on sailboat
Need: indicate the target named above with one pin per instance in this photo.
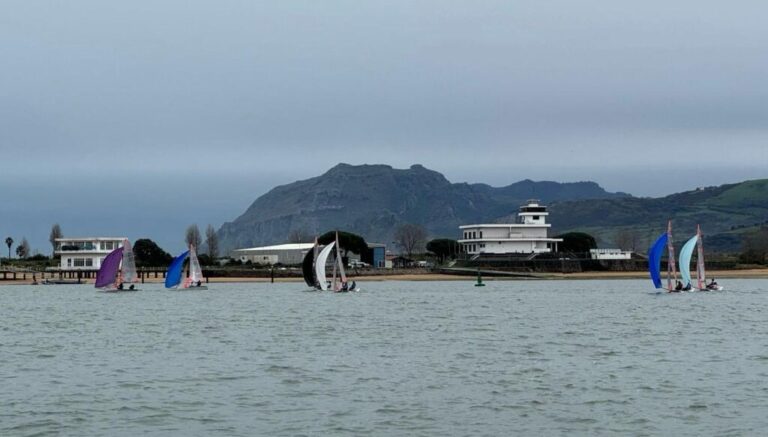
(712, 285)
(678, 286)
(352, 288)
(687, 287)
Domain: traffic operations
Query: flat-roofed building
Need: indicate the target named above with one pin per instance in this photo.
(85, 253)
(289, 254)
(527, 235)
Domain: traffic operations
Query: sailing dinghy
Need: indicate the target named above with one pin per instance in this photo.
(194, 279)
(685, 264)
(313, 269)
(654, 260)
(111, 277)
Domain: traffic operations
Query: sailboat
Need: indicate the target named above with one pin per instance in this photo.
(111, 277)
(194, 279)
(654, 259)
(308, 267)
(313, 269)
(685, 264)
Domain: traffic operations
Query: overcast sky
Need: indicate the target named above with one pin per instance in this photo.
(137, 118)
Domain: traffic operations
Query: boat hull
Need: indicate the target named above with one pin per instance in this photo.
(115, 290)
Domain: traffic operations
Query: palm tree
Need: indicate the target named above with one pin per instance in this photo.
(9, 243)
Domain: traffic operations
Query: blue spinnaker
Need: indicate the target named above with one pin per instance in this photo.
(173, 276)
(685, 260)
(654, 259)
(109, 266)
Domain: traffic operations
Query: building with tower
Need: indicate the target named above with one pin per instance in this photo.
(527, 235)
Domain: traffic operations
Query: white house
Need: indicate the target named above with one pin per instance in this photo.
(85, 253)
(528, 235)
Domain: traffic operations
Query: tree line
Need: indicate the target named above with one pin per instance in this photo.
(411, 239)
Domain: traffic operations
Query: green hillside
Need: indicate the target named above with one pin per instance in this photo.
(724, 213)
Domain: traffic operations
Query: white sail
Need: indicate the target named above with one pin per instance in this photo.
(129, 263)
(320, 266)
(195, 271)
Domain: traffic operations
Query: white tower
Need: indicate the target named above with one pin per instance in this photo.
(533, 213)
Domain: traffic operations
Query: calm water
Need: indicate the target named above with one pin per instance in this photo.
(400, 358)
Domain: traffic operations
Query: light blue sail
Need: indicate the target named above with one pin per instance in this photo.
(685, 260)
(654, 259)
(173, 275)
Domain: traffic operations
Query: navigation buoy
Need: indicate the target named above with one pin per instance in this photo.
(479, 280)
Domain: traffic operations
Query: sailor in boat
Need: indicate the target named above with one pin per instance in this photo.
(354, 285)
(712, 285)
(687, 287)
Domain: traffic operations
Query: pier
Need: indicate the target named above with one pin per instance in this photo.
(20, 274)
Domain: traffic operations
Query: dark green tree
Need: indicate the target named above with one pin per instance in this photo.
(444, 248)
(149, 254)
(9, 243)
(576, 242)
(348, 241)
(205, 259)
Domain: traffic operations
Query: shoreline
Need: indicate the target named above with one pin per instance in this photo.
(733, 274)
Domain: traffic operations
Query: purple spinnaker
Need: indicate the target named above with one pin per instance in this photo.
(109, 267)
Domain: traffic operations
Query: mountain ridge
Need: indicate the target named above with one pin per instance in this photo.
(373, 199)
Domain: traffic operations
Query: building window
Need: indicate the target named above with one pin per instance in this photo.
(69, 262)
(474, 235)
(107, 245)
(79, 262)
(535, 217)
(481, 234)
(89, 262)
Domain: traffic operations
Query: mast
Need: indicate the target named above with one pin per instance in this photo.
(700, 274)
(335, 264)
(187, 279)
(340, 261)
(315, 253)
(671, 268)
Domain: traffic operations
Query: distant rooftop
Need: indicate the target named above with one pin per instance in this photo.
(91, 238)
(288, 246)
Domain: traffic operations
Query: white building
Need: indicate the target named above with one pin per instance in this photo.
(85, 253)
(528, 235)
(609, 254)
(269, 255)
